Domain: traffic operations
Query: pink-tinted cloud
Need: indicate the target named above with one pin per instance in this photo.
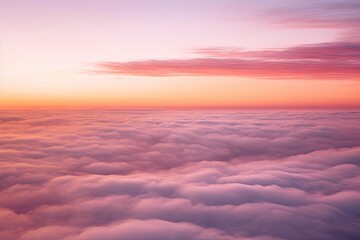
(299, 69)
(150, 229)
(342, 14)
(339, 60)
(179, 175)
(341, 51)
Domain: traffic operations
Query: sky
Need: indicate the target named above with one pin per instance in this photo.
(180, 54)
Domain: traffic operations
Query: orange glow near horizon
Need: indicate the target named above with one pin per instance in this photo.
(267, 94)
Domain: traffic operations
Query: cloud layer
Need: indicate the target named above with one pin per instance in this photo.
(79, 175)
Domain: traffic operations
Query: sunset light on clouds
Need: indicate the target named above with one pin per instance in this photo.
(179, 120)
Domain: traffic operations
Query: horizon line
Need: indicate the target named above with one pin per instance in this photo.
(178, 108)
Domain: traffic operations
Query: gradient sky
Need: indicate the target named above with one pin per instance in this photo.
(213, 53)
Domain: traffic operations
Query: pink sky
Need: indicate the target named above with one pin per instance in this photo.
(179, 53)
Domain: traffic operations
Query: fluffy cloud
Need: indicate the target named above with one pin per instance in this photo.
(78, 175)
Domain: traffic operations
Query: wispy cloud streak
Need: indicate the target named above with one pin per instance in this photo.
(342, 14)
(344, 51)
(325, 61)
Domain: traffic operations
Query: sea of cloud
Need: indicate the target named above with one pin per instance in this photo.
(179, 175)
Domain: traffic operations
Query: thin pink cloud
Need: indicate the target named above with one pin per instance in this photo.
(340, 15)
(318, 14)
(324, 61)
(333, 51)
(258, 68)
